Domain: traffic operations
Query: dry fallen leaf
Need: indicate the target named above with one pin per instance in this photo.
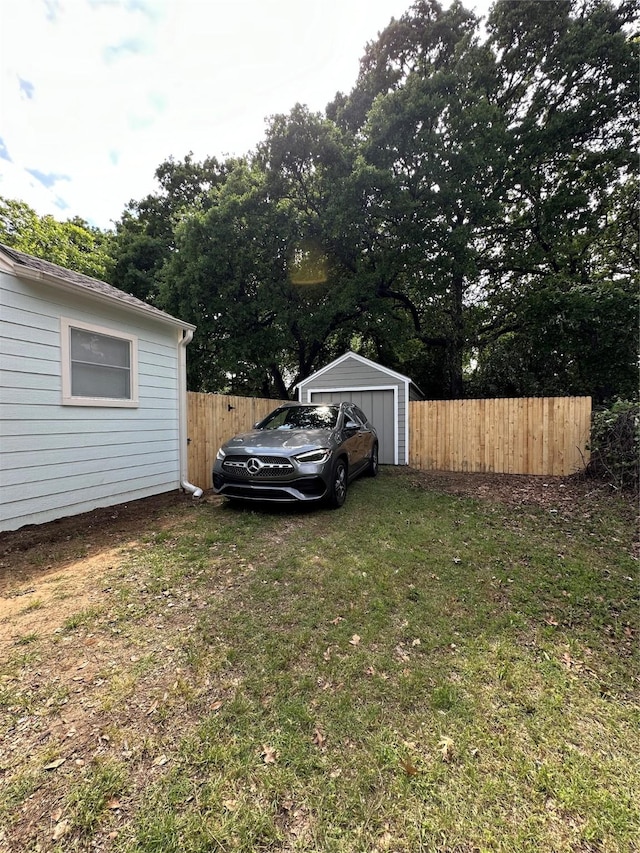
(572, 663)
(319, 739)
(160, 761)
(60, 830)
(215, 706)
(55, 764)
(408, 767)
(446, 749)
(113, 803)
(269, 754)
(385, 840)
(401, 653)
(355, 640)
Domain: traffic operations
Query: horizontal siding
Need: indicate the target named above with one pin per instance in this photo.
(28, 335)
(94, 440)
(60, 460)
(17, 363)
(55, 463)
(84, 477)
(348, 374)
(74, 502)
(33, 396)
(85, 429)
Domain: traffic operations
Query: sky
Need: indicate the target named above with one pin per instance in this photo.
(96, 94)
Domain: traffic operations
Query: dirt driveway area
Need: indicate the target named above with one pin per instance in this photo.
(61, 563)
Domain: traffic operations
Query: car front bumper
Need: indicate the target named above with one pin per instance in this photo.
(280, 479)
(299, 490)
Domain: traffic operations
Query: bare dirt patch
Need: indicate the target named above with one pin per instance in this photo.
(39, 607)
(35, 551)
(517, 489)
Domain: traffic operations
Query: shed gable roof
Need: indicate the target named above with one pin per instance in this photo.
(386, 370)
(23, 265)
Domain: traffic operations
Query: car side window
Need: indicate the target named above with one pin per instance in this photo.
(350, 415)
(360, 415)
(356, 415)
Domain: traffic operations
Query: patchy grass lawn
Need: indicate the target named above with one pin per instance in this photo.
(431, 668)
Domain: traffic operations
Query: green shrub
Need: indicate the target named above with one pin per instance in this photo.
(615, 444)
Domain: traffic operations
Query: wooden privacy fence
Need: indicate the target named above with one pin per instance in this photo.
(534, 435)
(211, 420)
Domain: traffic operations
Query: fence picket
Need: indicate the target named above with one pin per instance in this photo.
(536, 435)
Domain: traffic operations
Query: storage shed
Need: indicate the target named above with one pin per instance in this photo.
(92, 394)
(382, 394)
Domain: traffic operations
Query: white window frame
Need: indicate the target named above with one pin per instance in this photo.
(66, 325)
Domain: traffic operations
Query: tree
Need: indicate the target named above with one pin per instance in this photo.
(259, 269)
(492, 168)
(562, 294)
(144, 235)
(464, 215)
(73, 244)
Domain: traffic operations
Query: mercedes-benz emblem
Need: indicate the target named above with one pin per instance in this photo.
(254, 465)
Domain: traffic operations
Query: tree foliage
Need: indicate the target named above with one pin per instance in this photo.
(73, 244)
(466, 214)
(144, 236)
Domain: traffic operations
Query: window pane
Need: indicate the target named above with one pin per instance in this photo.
(92, 348)
(100, 366)
(90, 381)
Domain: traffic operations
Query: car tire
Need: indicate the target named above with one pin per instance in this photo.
(372, 468)
(338, 490)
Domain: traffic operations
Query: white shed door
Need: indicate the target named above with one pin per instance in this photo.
(379, 408)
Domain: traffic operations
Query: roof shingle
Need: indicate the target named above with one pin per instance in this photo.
(85, 282)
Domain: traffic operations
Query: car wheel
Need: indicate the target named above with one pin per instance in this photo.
(372, 470)
(338, 491)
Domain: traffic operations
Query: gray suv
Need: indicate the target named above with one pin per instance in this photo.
(299, 452)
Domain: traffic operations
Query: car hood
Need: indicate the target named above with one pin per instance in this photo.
(279, 439)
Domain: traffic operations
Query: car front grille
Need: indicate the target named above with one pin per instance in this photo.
(257, 467)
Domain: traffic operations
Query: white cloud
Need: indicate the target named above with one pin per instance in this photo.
(112, 88)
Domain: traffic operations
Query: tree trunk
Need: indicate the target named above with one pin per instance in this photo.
(455, 345)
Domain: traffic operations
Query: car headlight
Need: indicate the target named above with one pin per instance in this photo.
(220, 455)
(317, 456)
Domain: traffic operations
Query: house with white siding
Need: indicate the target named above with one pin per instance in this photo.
(92, 394)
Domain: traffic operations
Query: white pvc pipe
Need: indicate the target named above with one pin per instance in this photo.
(189, 487)
(182, 405)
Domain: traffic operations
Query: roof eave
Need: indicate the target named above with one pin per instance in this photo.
(72, 287)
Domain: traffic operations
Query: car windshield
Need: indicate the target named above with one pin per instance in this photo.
(301, 417)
